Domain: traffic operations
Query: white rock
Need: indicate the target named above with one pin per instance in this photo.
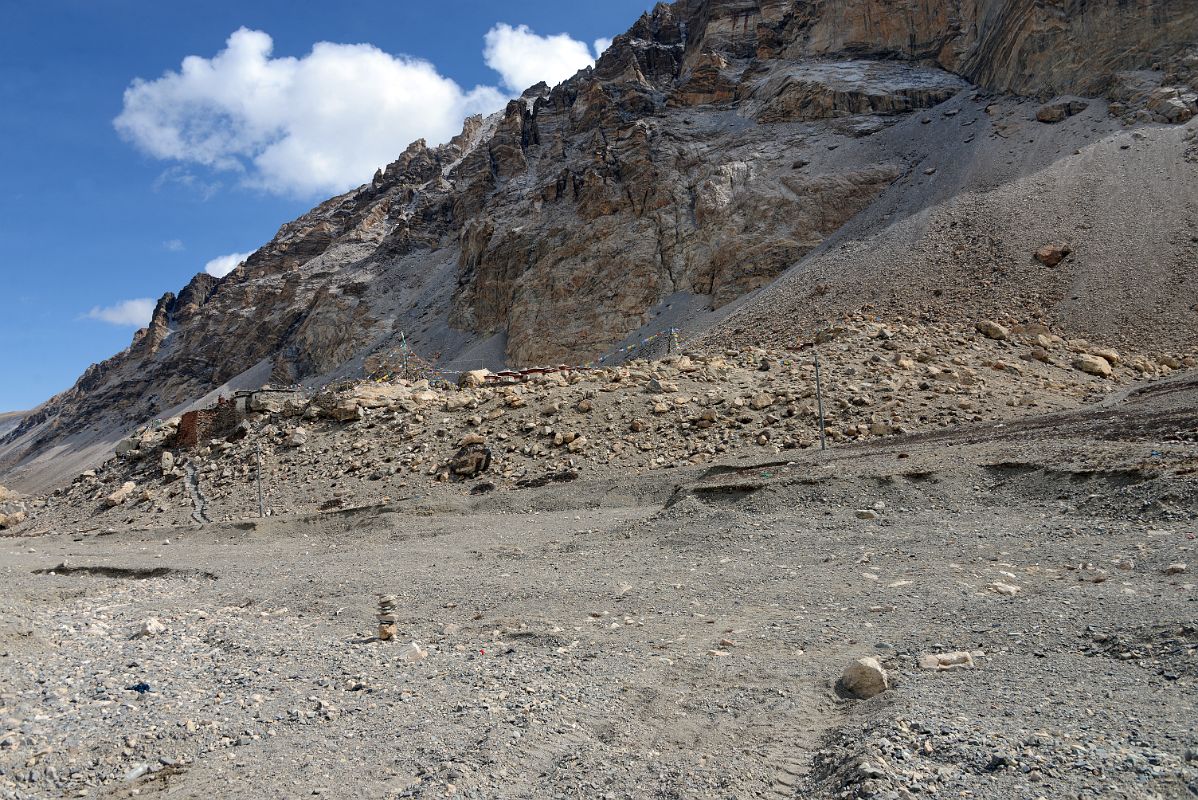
(1005, 589)
(865, 678)
(1093, 365)
(761, 401)
(992, 330)
(474, 378)
(413, 653)
(12, 520)
(121, 495)
(943, 662)
(151, 627)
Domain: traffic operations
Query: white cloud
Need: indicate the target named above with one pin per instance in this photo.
(129, 313)
(523, 59)
(325, 122)
(318, 124)
(222, 266)
(173, 245)
(181, 176)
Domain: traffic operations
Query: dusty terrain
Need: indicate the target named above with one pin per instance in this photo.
(647, 579)
(374, 442)
(675, 634)
(780, 162)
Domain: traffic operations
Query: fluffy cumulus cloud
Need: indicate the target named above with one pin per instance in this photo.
(325, 122)
(523, 59)
(303, 126)
(129, 313)
(222, 266)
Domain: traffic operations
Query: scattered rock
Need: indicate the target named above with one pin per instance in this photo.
(471, 461)
(12, 520)
(412, 653)
(943, 662)
(151, 627)
(865, 678)
(1061, 109)
(474, 379)
(761, 401)
(1005, 589)
(120, 495)
(1176, 569)
(1051, 255)
(1092, 365)
(992, 330)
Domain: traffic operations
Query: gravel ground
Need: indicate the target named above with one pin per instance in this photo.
(680, 638)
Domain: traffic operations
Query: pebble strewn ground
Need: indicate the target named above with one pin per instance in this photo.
(575, 641)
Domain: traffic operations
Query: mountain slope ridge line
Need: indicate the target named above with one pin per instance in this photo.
(713, 147)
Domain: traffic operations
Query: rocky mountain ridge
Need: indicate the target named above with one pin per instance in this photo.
(713, 147)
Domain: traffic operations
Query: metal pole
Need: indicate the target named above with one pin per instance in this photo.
(261, 499)
(819, 396)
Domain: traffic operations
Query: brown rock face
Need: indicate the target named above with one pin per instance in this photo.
(713, 146)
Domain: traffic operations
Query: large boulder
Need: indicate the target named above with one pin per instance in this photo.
(1060, 110)
(992, 330)
(380, 395)
(121, 495)
(469, 462)
(1092, 365)
(12, 520)
(865, 678)
(270, 401)
(474, 378)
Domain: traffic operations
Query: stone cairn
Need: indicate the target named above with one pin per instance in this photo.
(387, 618)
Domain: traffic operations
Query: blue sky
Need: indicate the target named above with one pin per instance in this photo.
(209, 160)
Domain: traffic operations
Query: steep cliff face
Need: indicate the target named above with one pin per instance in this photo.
(715, 145)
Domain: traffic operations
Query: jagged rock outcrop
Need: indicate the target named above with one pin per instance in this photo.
(712, 147)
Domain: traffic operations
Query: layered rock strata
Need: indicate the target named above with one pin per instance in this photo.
(713, 146)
